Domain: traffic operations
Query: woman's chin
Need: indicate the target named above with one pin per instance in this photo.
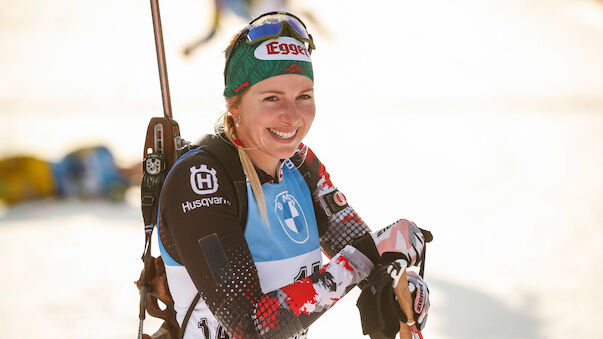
(285, 152)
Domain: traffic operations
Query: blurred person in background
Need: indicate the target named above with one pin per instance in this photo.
(87, 173)
(246, 9)
(256, 271)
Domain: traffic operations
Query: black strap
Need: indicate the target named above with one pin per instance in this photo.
(422, 269)
(146, 259)
(219, 147)
(428, 238)
(188, 315)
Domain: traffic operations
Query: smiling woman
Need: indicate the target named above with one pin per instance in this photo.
(271, 120)
(275, 115)
(243, 218)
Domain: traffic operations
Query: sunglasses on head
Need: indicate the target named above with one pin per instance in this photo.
(271, 26)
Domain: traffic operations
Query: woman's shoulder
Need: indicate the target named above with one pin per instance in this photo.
(211, 149)
(194, 157)
(200, 169)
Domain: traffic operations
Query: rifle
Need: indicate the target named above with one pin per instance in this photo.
(160, 153)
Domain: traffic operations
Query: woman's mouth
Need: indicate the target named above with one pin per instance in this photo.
(283, 135)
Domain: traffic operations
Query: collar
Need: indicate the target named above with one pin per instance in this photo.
(267, 178)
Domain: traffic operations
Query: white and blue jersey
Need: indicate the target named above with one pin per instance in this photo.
(260, 280)
(290, 248)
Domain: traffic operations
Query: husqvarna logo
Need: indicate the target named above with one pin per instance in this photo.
(291, 217)
(203, 180)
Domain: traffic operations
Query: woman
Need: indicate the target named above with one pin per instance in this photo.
(264, 277)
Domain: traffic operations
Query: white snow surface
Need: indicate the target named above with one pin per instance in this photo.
(481, 121)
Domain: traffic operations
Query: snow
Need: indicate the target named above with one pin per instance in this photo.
(484, 118)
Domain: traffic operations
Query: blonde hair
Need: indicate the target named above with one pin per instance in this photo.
(228, 126)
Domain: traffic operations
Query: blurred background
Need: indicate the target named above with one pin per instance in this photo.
(479, 120)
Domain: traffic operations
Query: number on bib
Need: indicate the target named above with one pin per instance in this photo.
(303, 271)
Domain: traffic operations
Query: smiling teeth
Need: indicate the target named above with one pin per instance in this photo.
(281, 134)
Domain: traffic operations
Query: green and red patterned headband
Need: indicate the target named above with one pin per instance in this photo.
(275, 44)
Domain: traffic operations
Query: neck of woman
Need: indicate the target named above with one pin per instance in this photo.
(266, 164)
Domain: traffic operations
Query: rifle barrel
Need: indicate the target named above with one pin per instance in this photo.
(163, 76)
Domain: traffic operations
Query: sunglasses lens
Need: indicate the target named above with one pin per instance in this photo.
(271, 25)
(299, 27)
(268, 29)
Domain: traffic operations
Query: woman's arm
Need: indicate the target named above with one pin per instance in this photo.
(199, 206)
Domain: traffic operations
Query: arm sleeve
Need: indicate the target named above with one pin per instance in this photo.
(338, 227)
(200, 206)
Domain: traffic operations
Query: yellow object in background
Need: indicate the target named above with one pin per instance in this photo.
(24, 178)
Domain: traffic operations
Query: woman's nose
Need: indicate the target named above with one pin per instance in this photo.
(290, 112)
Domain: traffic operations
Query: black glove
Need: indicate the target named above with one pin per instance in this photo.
(379, 310)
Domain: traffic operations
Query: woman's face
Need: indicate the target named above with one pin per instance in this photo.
(276, 115)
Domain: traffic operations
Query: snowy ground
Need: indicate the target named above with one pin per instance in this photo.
(483, 120)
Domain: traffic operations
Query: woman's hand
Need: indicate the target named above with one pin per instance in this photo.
(413, 297)
(400, 240)
(420, 296)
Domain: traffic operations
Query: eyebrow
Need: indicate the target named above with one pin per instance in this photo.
(281, 92)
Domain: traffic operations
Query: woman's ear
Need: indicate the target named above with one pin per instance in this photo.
(234, 109)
